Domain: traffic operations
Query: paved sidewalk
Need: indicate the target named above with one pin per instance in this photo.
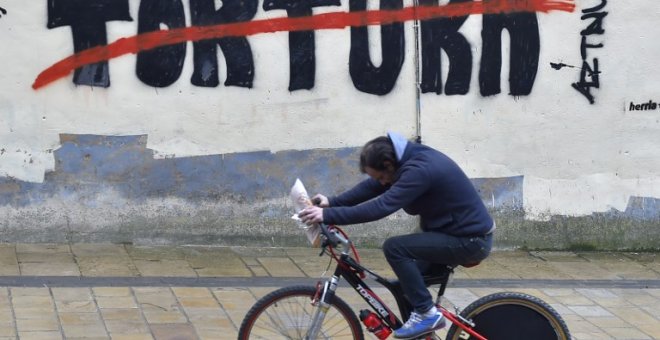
(103, 291)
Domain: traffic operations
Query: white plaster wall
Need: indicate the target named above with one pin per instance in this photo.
(577, 158)
(182, 119)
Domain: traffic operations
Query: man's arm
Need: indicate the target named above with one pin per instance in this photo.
(412, 183)
(363, 191)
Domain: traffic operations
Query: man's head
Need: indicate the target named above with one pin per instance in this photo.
(378, 160)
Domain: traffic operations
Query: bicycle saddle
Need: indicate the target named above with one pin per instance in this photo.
(440, 274)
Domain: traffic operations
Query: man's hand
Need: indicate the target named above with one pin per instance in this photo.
(311, 215)
(320, 201)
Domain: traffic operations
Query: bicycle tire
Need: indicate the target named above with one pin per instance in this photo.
(512, 316)
(286, 313)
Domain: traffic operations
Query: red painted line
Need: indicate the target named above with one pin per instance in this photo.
(337, 20)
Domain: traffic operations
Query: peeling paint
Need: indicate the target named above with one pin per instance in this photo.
(112, 189)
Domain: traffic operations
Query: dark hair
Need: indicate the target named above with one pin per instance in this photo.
(376, 152)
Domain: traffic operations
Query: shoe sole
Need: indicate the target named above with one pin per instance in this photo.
(421, 335)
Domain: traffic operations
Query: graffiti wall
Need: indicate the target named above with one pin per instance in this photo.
(187, 121)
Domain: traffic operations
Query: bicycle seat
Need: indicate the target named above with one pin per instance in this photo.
(440, 274)
(470, 265)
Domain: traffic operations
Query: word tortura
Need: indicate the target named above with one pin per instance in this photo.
(162, 66)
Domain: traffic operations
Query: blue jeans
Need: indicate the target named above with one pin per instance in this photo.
(411, 255)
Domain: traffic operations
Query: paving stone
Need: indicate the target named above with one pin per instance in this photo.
(116, 302)
(40, 335)
(633, 315)
(236, 302)
(106, 267)
(33, 313)
(196, 292)
(281, 267)
(89, 329)
(29, 291)
(71, 294)
(40, 324)
(10, 270)
(157, 298)
(155, 316)
(49, 248)
(219, 261)
(112, 291)
(652, 329)
(175, 331)
(195, 302)
(7, 329)
(225, 333)
(49, 269)
(212, 324)
(8, 254)
(32, 302)
(586, 311)
(99, 249)
(121, 314)
(126, 327)
(490, 269)
(258, 271)
(71, 319)
(165, 267)
(608, 322)
(590, 336)
(627, 333)
(136, 336)
(76, 306)
(584, 270)
(259, 251)
(155, 253)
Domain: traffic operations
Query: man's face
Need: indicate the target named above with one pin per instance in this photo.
(384, 177)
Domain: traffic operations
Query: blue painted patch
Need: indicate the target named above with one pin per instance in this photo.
(87, 165)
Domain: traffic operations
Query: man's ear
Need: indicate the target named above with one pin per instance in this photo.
(389, 166)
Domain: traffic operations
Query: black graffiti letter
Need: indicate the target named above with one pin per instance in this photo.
(442, 34)
(525, 48)
(161, 66)
(87, 19)
(367, 77)
(584, 86)
(237, 51)
(2, 12)
(302, 59)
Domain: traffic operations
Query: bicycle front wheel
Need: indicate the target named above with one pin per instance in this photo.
(512, 316)
(287, 313)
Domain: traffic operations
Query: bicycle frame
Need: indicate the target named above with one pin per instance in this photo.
(353, 273)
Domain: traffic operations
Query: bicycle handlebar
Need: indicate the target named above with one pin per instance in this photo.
(333, 238)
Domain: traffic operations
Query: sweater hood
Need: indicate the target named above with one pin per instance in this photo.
(399, 142)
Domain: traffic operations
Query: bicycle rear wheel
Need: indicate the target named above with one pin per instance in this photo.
(287, 314)
(512, 316)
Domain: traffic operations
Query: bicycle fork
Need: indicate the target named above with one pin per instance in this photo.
(324, 296)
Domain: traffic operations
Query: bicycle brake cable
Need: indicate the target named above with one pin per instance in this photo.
(328, 267)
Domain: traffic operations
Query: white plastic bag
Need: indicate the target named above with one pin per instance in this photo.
(301, 201)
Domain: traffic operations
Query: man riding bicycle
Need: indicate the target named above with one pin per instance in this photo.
(456, 227)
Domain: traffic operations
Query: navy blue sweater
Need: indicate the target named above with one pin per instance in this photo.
(427, 183)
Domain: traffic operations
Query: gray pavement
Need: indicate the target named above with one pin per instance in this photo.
(106, 291)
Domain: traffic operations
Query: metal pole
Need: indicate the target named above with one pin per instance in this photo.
(418, 90)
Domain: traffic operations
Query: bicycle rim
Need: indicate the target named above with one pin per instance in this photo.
(288, 313)
(512, 316)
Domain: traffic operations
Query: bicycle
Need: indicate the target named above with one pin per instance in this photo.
(307, 312)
